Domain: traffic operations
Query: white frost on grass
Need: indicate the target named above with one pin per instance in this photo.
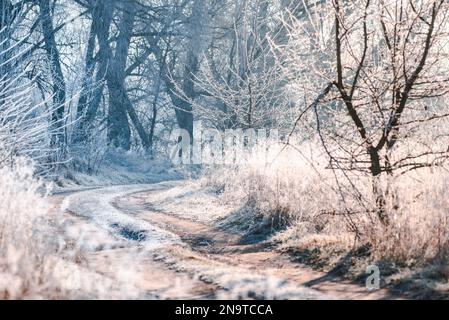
(190, 200)
(119, 169)
(35, 260)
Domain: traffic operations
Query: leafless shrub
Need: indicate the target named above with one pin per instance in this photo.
(308, 191)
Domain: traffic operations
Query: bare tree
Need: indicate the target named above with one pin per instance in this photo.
(380, 68)
(59, 87)
(240, 72)
(96, 65)
(25, 124)
(183, 108)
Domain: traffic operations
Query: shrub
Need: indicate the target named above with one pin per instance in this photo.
(319, 202)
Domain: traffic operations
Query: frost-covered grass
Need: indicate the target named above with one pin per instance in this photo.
(191, 200)
(23, 268)
(299, 196)
(116, 167)
(36, 261)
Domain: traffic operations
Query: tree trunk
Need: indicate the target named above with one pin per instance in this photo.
(376, 171)
(157, 90)
(59, 88)
(119, 132)
(6, 12)
(183, 106)
(137, 124)
(92, 88)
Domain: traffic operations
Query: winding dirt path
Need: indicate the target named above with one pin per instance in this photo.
(190, 259)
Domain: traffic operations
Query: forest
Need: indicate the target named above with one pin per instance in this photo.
(300, 145)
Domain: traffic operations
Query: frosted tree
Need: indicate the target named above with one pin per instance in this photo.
(26, 125)
(239, 71)
(374, 75)
(58, 139)
(180, 77)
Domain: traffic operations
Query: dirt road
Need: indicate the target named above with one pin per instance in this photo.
(175, 251)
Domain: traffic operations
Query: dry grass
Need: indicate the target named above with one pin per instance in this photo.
(24, 271)
(36, 261)
(320, 212)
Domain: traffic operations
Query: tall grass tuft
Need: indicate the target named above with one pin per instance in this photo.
(322, 206)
